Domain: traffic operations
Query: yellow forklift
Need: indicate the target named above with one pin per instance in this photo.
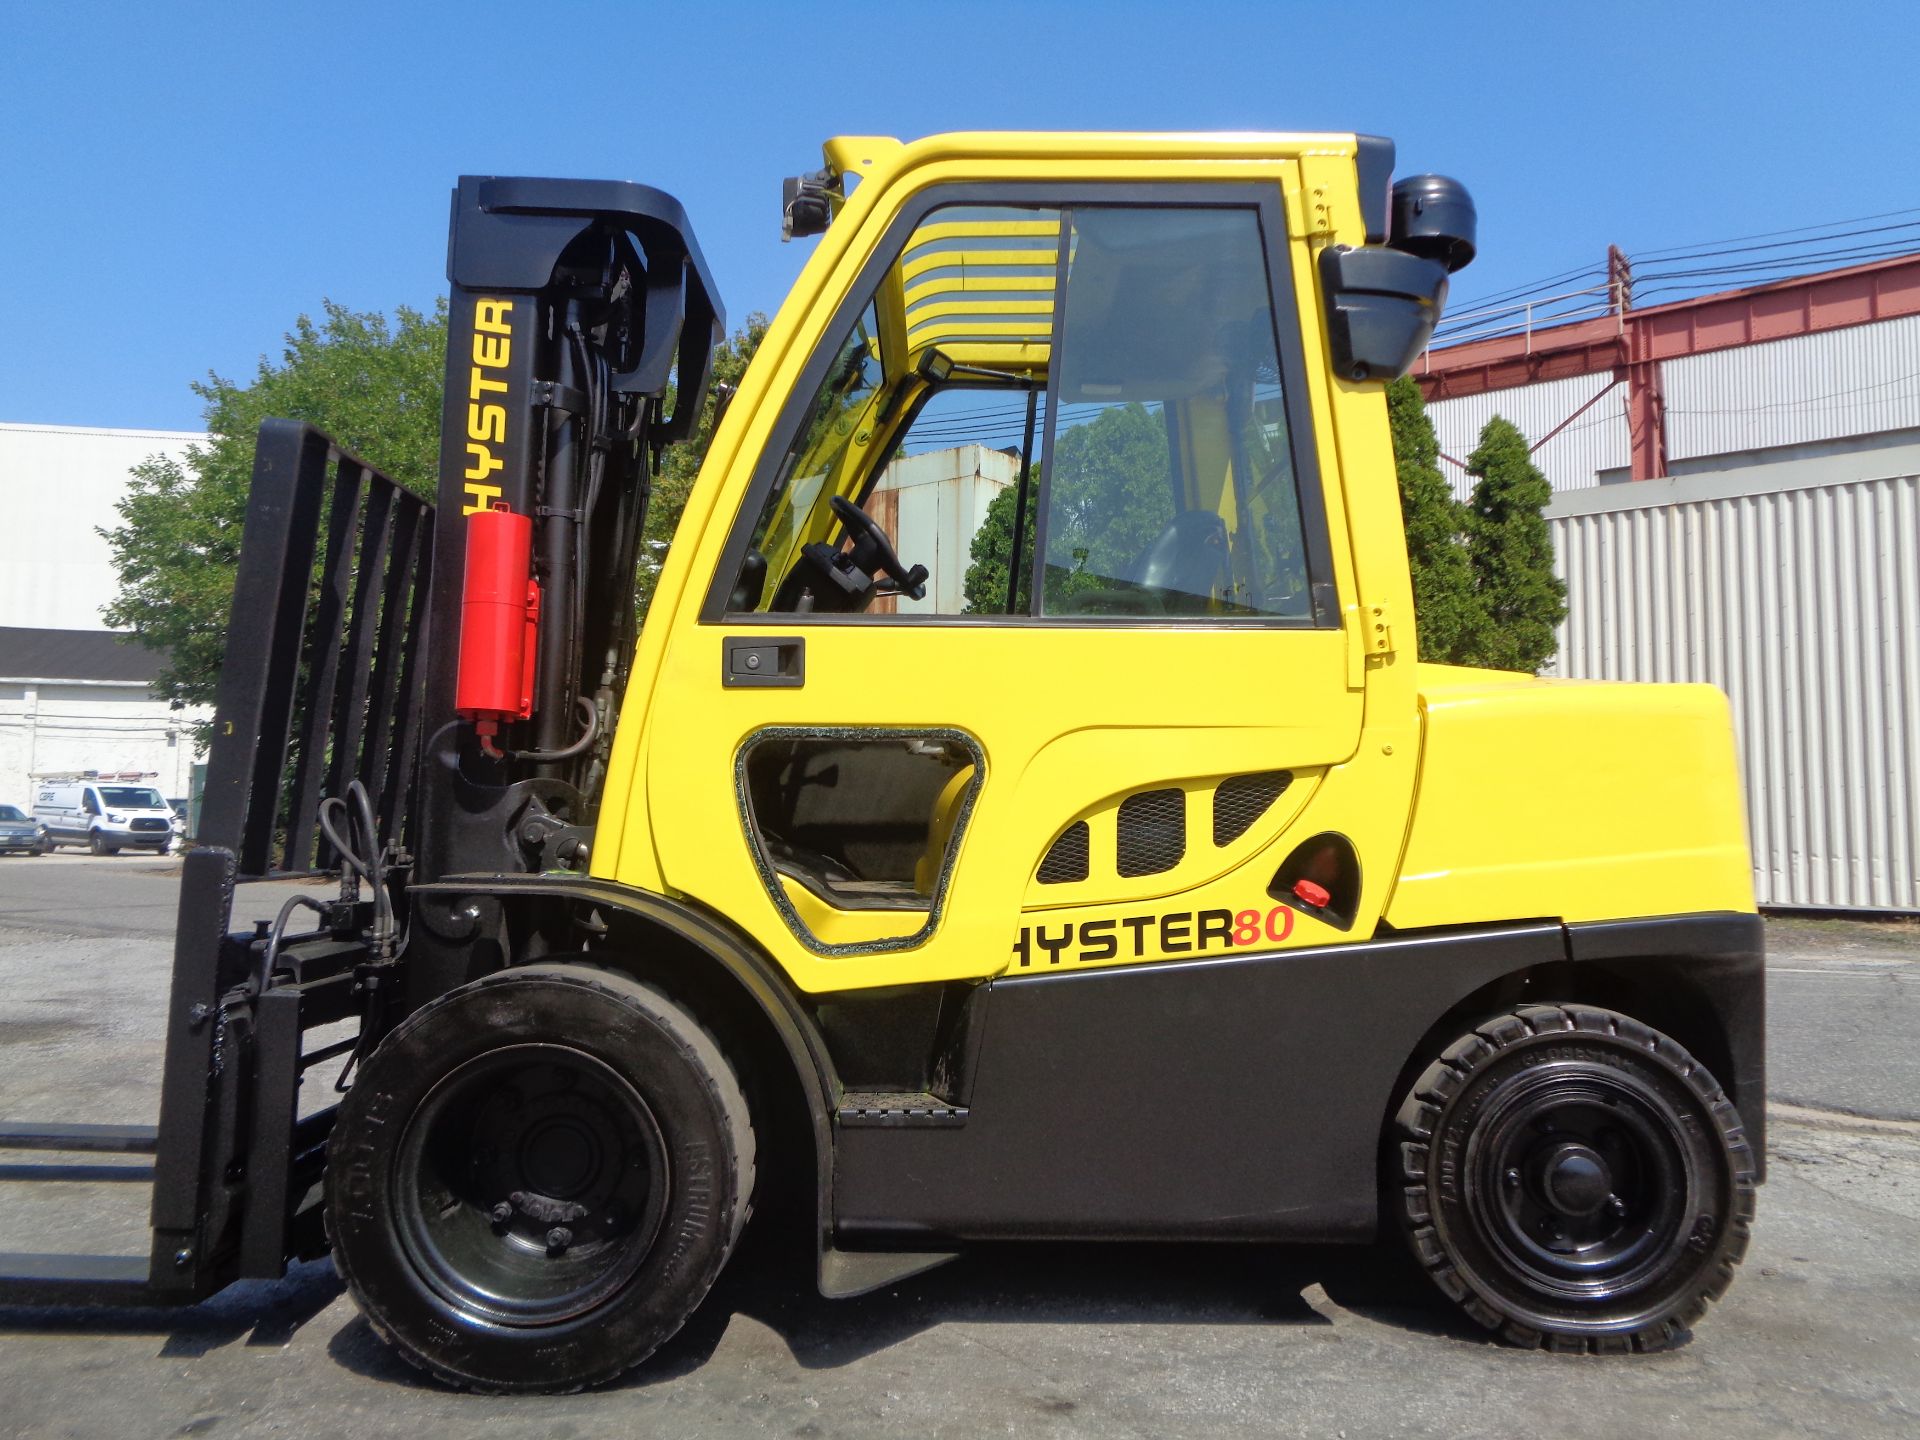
(1022, 813)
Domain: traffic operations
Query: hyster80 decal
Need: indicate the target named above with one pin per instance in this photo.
(1134, 937)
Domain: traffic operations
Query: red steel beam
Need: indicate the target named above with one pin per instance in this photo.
(1803, 305)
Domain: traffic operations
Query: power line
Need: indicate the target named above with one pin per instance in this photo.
(1769, 234)
(1787, 262)
(1668, 258)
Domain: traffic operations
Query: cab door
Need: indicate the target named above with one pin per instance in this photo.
(1021, 645)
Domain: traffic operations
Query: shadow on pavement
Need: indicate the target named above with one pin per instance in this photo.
(771, 1281)
(256, 1312)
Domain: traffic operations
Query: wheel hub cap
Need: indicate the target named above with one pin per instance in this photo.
(1575, 1180)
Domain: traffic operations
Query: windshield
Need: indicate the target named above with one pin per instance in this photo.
(131, 797)
(11, 812)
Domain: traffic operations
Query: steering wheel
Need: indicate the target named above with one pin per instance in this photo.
(873, 552)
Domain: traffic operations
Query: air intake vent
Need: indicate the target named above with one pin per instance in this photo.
(1066, 858)
(1243, 799)
(1151, 832)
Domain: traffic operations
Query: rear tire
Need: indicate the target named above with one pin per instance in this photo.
(1575, 1180)
(536, 1178)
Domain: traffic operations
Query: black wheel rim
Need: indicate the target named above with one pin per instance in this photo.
(530, 1185)
(1580, 1181)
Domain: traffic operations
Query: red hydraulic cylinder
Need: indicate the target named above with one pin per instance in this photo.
(499, 622)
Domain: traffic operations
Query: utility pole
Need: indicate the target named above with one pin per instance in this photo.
(1646, 399)
(1619, 280)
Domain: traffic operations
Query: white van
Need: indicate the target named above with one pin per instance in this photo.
(104, 813)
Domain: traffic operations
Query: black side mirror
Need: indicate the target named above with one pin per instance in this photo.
(1384, 300)
(1382, 305)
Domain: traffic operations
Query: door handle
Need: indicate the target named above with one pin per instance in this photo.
(776, 662)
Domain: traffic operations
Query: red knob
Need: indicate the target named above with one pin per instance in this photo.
(1310, 893)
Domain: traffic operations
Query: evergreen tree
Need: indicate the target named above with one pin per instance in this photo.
(1450, 616)
(1512, 552)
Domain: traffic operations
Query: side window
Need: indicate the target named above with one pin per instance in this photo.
(914, 482)
(900, 491)
(1171, 490)
(91, 803)
(815, 467)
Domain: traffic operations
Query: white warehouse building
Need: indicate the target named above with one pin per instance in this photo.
(73, 695)
(1736, 487)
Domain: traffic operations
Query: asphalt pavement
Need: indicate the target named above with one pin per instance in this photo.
(1819, 1335)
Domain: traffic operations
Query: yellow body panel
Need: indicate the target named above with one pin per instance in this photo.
(1573, 800)
(1535, 799)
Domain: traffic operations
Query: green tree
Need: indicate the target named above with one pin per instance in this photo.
(1512, 551)
(986, 582)
(1112, 498)
(681, 464)
(372, 384)
(1450, 615)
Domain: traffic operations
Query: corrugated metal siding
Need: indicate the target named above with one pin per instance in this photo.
(1804, 606)
(1596, 441)
(1826, 386)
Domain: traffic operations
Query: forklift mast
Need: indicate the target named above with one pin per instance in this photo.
(360, 729)
(581, 329)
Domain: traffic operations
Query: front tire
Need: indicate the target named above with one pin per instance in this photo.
(1575, 1180)
(536, 1178)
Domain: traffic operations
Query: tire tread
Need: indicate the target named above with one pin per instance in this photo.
(724, 1089)
(1443, 1079)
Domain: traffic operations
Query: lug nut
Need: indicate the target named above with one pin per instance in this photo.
(1617, 1206)
(502, 1213)
(1513, 1179)
(558, 1238)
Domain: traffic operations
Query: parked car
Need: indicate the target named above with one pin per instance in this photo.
(20, 832)
(104, 816)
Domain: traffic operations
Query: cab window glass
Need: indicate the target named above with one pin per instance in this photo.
(1172, 489)
(899, 492)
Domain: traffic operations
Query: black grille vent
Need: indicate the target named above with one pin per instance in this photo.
(1243, 799)
(1151, 832)
(1066, 859)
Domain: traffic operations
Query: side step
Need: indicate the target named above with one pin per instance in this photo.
(94, 1139)
(898, 1108)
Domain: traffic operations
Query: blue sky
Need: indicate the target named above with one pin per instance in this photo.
(178, 182)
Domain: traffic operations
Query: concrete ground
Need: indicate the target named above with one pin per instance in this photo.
(1819, 1335)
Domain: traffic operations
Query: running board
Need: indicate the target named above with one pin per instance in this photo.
(92, 1139)
(895, 1109)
